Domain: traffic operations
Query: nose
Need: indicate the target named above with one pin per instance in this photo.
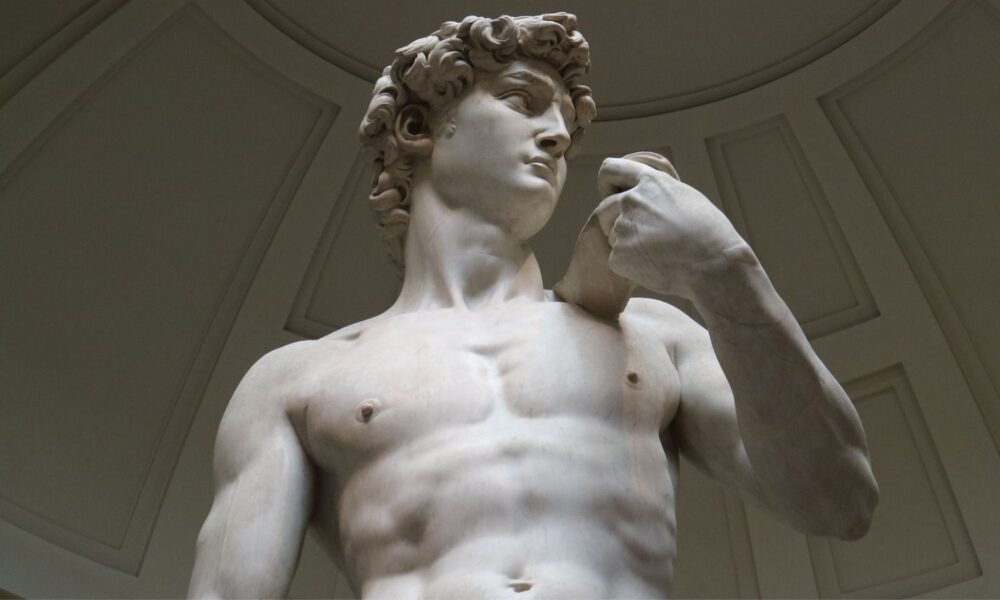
(553, 136)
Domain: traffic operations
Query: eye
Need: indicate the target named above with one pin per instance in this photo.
(520, 99)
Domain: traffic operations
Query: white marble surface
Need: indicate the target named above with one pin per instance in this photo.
(485, 437)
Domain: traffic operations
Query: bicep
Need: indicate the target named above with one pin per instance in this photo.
(706, 426)
(251, 539)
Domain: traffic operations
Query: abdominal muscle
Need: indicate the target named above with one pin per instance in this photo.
(556, 507)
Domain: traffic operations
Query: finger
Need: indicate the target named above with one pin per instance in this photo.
(622, 261)
(607, 212)
(657, 161)
(618, 174)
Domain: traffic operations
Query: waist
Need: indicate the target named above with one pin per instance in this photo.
(550, 560)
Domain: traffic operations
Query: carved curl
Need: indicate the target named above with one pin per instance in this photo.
(435, 70)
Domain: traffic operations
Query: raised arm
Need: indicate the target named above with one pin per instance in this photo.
(759, 410)
(250, 542)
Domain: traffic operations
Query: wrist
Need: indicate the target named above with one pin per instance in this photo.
(733, 288)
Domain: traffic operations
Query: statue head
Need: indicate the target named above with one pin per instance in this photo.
(532, 64)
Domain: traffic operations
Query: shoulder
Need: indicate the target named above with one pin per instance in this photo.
(284, 374)
(650, 307)
(282, 368)
(276, 370)
(675, 328)
(257, 412)
(273, 385)
(659, 314)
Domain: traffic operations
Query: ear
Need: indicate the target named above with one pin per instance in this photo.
(413, 130)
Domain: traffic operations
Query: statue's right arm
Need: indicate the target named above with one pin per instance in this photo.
(250, 542)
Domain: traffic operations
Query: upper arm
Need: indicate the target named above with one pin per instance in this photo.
(251, 539)
(705, 426)
(810, 465)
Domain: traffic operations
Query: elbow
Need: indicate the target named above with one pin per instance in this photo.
(853, 527)
(853, 519)
(861, 519)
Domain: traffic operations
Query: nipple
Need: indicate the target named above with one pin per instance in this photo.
(367, 410)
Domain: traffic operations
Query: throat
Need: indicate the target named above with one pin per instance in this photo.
(470, 279)
(456, 259)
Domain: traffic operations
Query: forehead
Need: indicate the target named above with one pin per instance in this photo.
(532, 72)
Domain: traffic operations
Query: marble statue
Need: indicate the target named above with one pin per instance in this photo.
(488, 438)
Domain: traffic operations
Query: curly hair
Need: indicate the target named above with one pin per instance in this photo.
(433, 71)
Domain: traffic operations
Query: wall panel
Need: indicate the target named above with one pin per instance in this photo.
(924, 132)
(918, 541)
(33, 33)
(350, 276)
(128, 267)
(772, 196)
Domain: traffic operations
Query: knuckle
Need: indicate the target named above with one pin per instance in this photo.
(650, 175)
(631, 199)
(620, 260)
(621, 229)
(617, 255)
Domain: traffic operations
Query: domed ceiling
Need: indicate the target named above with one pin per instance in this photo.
(711, 49)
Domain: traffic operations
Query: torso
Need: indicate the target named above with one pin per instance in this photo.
(511, 452)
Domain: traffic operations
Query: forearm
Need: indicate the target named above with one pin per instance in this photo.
(801, 433)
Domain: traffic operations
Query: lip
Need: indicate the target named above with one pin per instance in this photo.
(545, 161)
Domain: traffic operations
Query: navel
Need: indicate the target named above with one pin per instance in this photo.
(632, 378)
(367, 410)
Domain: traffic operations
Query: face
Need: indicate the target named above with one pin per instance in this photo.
(499, 150)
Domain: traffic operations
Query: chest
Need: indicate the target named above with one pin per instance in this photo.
(421, 376)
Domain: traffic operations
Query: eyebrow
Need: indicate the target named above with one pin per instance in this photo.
(530, 78)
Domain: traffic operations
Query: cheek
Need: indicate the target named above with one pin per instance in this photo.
(473, 156)
(460, 163)
(485, 132)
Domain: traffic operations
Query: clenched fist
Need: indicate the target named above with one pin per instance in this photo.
(650, 230)
(661, 231)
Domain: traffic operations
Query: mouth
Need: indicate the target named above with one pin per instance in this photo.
(544, 163)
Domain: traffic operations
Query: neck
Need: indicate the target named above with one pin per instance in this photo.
(454, 259)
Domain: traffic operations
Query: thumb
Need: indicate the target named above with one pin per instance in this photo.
(617, 175)
(607, 212)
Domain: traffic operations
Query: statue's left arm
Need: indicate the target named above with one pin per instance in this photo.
(759, 410)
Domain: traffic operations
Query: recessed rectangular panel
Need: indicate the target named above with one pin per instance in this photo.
(909, 535)
(121, 237)
(924, 130)
(28, 25)
(350, 277)
(774, 199)
(917, 541)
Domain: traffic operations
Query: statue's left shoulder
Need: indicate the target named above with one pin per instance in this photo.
(658, 312)
(669, 324)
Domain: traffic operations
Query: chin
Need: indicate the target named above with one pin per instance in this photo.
(533, 213)
(540, 190)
